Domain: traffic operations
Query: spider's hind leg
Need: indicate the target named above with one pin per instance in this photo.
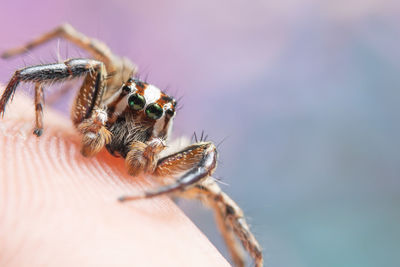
(230, 220)
(121, 68)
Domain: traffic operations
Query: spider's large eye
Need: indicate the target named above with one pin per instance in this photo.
(154, 111)
(136, 101)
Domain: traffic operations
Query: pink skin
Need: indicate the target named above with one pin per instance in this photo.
(58, 208)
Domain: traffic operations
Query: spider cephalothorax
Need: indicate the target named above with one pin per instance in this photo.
(133, 119)
(138, 111)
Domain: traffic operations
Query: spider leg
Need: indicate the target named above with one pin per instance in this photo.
(96, 48)
(121, 68)
(87, 114)
(230, 220)
(234, 248)
(196, 162)
(194, 165)
(73, 68)
(142, 157)
(39, 101)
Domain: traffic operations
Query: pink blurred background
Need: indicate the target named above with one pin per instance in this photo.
(306, 93)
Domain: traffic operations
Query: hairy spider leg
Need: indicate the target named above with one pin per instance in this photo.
(88, 115)
(230, 220)
(196, 162)
(120, 68)
(235, 250)
(39, 102)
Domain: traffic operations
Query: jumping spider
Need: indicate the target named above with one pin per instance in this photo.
(133, 120)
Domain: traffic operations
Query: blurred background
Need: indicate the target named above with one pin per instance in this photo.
(304, 92)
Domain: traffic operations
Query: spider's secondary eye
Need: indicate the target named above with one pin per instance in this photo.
(126, 89)
(170, 112)
(136, 101)
(154, 111)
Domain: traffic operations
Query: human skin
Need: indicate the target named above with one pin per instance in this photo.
(58, 208)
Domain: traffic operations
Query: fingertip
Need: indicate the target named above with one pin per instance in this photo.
(51, 194)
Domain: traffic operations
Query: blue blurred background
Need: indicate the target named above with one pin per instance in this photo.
(306, 92)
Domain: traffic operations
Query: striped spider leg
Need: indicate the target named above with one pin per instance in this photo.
(119, 68)
(88, 113)
(133, 120)
(193, 166)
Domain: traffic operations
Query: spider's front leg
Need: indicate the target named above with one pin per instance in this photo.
(143, 157)
(194, 165)
(87, 114)
(94, 133)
